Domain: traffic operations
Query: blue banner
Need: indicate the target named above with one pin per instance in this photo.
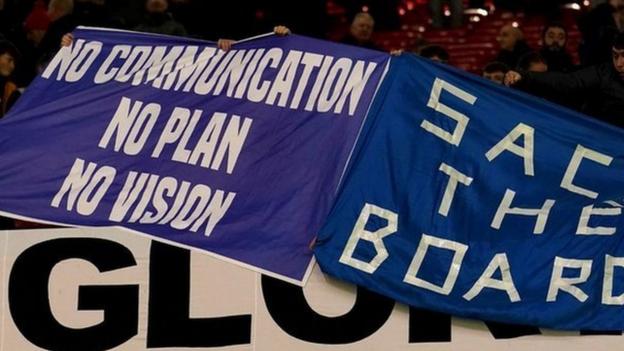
(238, 153)
(477, 200)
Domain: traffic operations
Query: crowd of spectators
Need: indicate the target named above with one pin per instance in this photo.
(31, 32)
(594, 86)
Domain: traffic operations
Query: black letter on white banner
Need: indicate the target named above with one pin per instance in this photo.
(169, 301)
(290, 310)
(29, 300)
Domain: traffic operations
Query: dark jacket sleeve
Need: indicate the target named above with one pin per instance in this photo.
(553, 84)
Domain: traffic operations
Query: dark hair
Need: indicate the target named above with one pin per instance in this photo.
(430, 51)
(618, 42)
(532, 57)
(495, 67)
(554, 25)
(6, 47)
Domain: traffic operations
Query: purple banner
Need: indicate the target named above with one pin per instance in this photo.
(237, 153)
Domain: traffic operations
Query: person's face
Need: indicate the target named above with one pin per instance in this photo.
(555, 38)
(496, 77)
(156, 6)
(362, 28)
(7, 64)
(507, 38)
(618, 61)
(538, 67)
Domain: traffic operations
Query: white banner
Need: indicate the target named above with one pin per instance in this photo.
(99, 289)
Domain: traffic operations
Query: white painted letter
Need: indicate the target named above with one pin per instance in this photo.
(558, 282)
(507, 143)
(607, 282)
(461, 119)
(455, 177)
(581, 153)
(376, 238)
(458, 256)
(486, 281)
(583, 226)
(505, 208)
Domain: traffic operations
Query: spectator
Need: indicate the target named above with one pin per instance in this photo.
(601, 87)
(435, 53)
(554, 39)
(512, 45)
(385, 11)
(8, 89)
(532, 62)
(598, 28)
(361, 32)
(437, 12)
(35, 28)
(158, 20)
(66, 15)
(495, 71)
(61, 21)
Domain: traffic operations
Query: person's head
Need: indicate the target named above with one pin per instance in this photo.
(554, 37)
(509, 36)
(8, 56)
(435, 53)
(156, 6)
(617, 50)
(532, 62)
(60, 8)
(495, 71)
(362, 27)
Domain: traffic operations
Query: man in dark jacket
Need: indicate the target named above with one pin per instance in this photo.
(512, 45)
(601, 87)
(361, 31)
(66, 15)
(554, 39)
